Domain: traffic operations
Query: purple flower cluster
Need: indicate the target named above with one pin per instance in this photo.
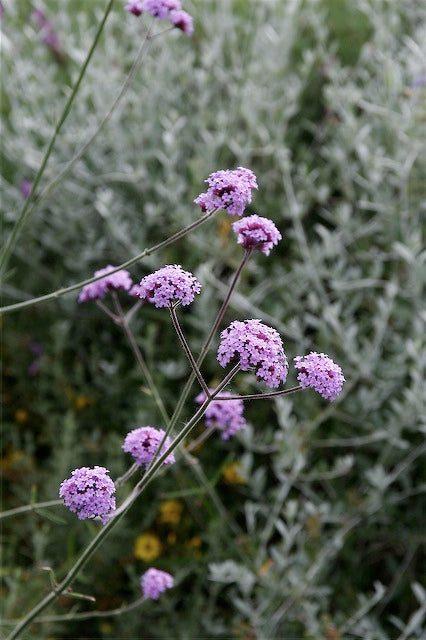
(226, 416)
(119, 280)
(161, 9)
(143, 443)
(154, 582)
(255, 232)
(50, 36)
(89, 493)
(318, 371)
(258, 346)
(168, 285)
(228, 189)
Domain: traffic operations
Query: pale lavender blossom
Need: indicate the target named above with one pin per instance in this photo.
(182, 20)
(258, 346)
(135, 7)
(169, 285)
(161, 8)
(25, 187)
(143, 443)
(228, 189)
(318, 371)
(89, 493)
(255, 232)
(95, 290)
(154, 582)
(226, 416)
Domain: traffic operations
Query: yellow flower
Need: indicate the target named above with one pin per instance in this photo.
(21, 416)
(231, 474)
(171, 538)
(194, 544)
(147, 547)
(105, 627)
(170, 512)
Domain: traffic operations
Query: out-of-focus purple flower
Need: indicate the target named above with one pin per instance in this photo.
(226, 416)
(419, 82)
(49, 34)
(255, 232)
(25, 187)
(37, 350)
(135, 7)
(182, 20)
(258, 346)
(119, 280)
(318, 371)
(143, 443)
(229, 189)
(154, 582)
(135, 291)
(89, 493)
(169, 285)
(161, 8)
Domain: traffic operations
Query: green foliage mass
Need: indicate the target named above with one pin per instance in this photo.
(324, 539)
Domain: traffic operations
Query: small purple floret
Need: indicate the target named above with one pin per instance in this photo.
(318, 371)
(182, 20)
(25, 187)
(135, 7)
(161, 8)
(154, 582)
(143, 443)
(228, 189)
(258, 346)
(89, 493)
(119, 280)
(226, 416)
(169, 285)
(255, 232)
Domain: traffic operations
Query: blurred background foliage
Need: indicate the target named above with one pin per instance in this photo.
(310, 523)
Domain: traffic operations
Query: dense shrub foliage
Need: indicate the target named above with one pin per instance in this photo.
(310, 521)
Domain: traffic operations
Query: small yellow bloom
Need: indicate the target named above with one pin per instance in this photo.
(265, 567)
(231, 474)
(105, 627)
(194, 544)
(170, 512)
(21, 416)
(82, 402)
(147, 547)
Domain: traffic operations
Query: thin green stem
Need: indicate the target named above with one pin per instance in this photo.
(86, 615)
(4, 258)
(139, 358)
(53, 183)
(204, 349)
(187, 350)
(30, 507)
(146, 252)
(261, 396)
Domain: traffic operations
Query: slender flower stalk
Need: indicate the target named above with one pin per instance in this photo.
(209, 338)
(119, 513)
(261, 396)
(30, 507)
(25, 211)
(197, 372)
(146, 252)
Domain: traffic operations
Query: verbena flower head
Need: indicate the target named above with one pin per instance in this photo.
(89, 493)
(154, 582)
(258, 346)
(135, 7)
(183, 21)
(143, 443)
(318, 371)
(161, 8)
(119, 280)
(169, 285)
(255, 232)
(228, 189)
(226, 416)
